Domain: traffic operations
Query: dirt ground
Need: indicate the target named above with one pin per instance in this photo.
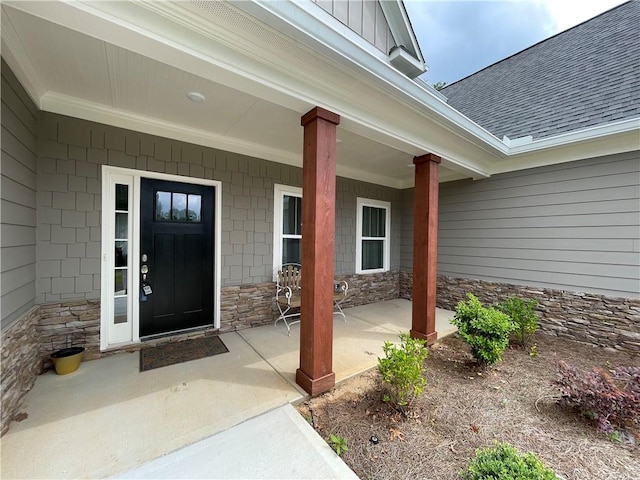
(464, 408)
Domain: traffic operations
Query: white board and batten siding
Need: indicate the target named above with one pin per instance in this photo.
(18, 200)
(365, 17)
(573, 226)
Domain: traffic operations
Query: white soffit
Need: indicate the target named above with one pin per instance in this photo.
(333, 81)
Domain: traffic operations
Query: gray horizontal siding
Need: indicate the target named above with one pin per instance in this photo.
(573, 226)
(18, 200)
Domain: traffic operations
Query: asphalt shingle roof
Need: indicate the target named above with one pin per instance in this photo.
(585, 76)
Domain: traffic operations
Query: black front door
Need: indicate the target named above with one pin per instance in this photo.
(176, 251)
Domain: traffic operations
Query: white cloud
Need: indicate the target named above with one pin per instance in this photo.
(460, 37)
(568, 13)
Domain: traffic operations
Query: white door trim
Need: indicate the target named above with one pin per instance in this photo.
(109, 176)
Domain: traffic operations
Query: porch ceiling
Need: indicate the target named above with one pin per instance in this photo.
(71, 64)
(261, 66)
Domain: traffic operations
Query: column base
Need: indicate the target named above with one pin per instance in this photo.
(315, 386)
(429, 338)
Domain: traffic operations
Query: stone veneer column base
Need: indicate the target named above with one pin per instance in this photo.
(19, 363)
(609, 322)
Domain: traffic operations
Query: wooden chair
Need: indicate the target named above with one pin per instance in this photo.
(288, 292)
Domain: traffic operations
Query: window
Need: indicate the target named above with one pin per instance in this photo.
(287, 230)
(177, 207)
(373, 220)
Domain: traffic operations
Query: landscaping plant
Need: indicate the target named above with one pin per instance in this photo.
(503, 462)
(338, 443)
(486, 330)
(401, 369)
(523, 314)
(610, 398)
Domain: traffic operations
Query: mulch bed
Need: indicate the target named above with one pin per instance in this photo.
(464, 408)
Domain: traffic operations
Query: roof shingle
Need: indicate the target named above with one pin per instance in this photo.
(586, 76)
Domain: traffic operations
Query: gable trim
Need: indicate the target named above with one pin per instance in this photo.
(401, 28)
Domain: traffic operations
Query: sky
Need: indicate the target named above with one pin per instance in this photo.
(460, 37)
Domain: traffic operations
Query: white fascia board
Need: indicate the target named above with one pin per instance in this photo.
(186, 16)
(589, 133)
(401, 28)
(310, 25)
(616, 137)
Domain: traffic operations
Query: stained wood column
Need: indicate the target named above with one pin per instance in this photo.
(315, 374)
(425, 247)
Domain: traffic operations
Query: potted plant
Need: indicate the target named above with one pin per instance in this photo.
(67, 360)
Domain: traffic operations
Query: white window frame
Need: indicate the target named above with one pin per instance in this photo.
(279, 191)
(367, 202)
(129, 333)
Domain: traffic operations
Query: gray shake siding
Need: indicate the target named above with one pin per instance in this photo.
(18, 207)
(70, 156)
(574, 226)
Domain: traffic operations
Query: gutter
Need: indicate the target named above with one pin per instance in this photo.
(520, 146)
(309, 25)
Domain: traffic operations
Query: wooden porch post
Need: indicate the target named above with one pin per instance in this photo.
(315, 374)
(425, 247)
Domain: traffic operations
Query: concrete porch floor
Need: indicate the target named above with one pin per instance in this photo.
(108, 418)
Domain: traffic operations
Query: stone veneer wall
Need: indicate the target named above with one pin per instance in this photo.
(610, 322)
(253, 305)
(370, 288)
(19, 364)
(243, 306)
(405, 285)
(73, 323)
(27, 345)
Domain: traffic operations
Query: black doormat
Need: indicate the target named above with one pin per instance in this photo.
(178, 352)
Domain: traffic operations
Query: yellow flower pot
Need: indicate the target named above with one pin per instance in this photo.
(67, 360)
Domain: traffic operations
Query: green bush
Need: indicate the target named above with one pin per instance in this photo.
(401, 371)
(523, 314)
(486, 330)
(503, 462)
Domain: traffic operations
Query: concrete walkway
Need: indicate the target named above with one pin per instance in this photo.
(109, 419)
(278, 444)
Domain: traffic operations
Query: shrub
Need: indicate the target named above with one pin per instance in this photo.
(502, 461)
(610, 398)
(523, 315)
(402, 369)
(486, 330)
